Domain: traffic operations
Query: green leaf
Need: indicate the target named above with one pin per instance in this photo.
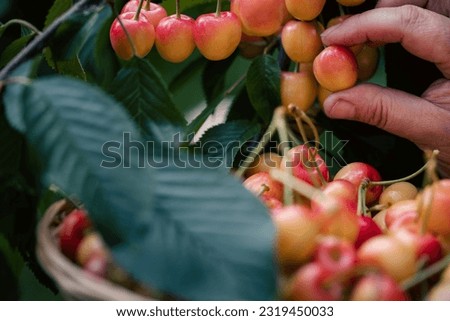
(211, 239)
(13, 49)
(105, 63)
(186, 73)
(241, 107)
(191, 231)
(57, 9)
(140, 88)
(222, 142)
(213, 77)
(195, 125)
(74, 128)
(263, 86)
(10, 148)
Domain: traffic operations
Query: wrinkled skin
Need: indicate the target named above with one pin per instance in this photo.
(424, 32)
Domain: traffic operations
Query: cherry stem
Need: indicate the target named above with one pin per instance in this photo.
(431, 172)
(218, 8)
(280, 123)
(424, 208)
(264, 188)
(341, 10)
(262, 143)
(147, 5)
(362, 208)
(426, 273)
(127, 34)
(177, 9)
(138, 12)
(298, 185)
(270, 45)
(300, 116)
(22, 23)
(407, 178)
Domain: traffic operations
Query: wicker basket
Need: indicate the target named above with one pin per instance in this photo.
(73, 282)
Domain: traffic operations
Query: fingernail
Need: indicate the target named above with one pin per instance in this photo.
(329, 31)
(336, 107)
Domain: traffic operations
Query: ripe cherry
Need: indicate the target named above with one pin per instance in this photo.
(398, 192)
(311, 283)
(262, 184)
(356, 173)
(297, 229)
(72, 230)
(175, 38)
(435, 214)
(335, 255)
(390, 255)
(377, 287)
(299, 159)
(137, 40)
(259, 18)
(305, 9)
(154, 12)
(264, 163)
(367, 229)
(336, 68)
(217, 35)
(301, 40)
(298, 88)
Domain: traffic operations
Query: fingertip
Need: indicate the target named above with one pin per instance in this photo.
(336, 107)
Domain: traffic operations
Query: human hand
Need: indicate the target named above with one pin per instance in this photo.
(423, 120)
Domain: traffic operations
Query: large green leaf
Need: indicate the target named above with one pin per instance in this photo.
(185, 229)
(73, 127)
(212, 240)
(213, 77)
(10, 148)
(13, 49)
(57, 9)
(263, 86)
(140, 88)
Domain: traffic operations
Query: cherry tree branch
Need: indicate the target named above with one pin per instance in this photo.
(40, 41)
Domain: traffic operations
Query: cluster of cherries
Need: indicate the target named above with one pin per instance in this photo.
(252, 26)
(330, 247)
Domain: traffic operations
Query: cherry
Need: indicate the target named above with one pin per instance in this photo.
(377, 287)
(398, 192)
(380, 220)
(337, 216)
(262, 184)
(297, 229)
(440, 292)
(389, 254)
(259, 18)
(271, 202)
(335, 255)
(301, 40)
(299, 160)
(175, 38)
(91, 244)
(322, 94)
(305, 9)
(264, 163)
(399, 209)
(217, 35)
(356, 173)
(298, 88)
(72, 230)
(336, 68)
(154, 12)
(367, 229)
(435, 214)
(138, 39)
(311, 283)
(342, 189)
(367, 60)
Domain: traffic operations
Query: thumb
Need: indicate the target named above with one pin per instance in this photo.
(392, 110)
(398, 3)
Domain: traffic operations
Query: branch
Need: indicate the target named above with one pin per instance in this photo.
(39, 42)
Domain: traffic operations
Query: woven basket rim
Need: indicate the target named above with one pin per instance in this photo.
(72, 281)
